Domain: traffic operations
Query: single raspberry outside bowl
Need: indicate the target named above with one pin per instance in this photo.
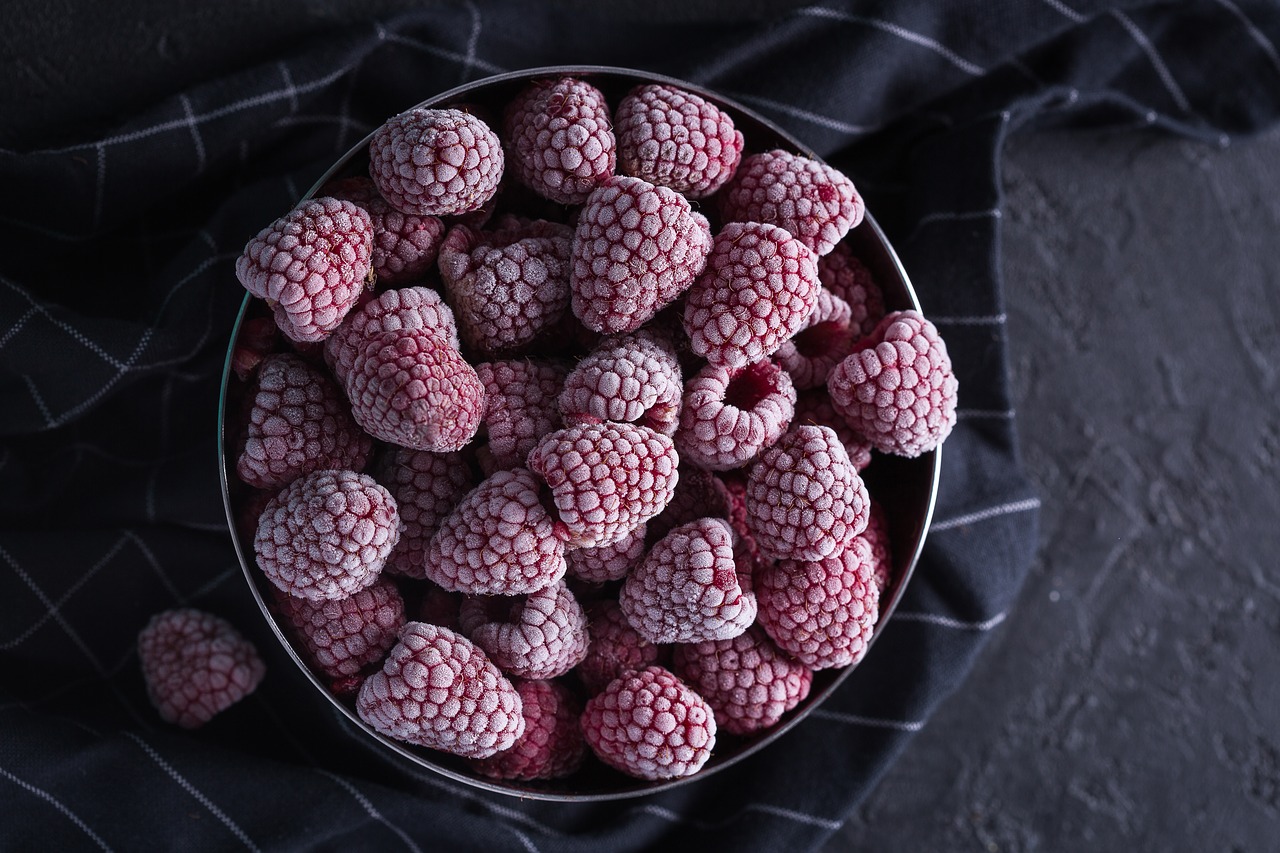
(906, 488)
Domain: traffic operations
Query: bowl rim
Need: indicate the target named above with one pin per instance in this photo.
(248, 565)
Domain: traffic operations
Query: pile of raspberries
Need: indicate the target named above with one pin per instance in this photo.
(553, 426)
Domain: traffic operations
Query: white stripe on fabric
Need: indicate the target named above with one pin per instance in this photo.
(17, 325)
(989, 320)
(1265, 43)
(871, 722)
(443, 53)
(473, 38)
(1066, 11)
(985, 414)
(1162, 70)
(986, 514)
(57, 804)
(370, 809)
(53, 610)
(896, 30)
(195, 132)
(952, 216)
(948, 622)
(796, 112)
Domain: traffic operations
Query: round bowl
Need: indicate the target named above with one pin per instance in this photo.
(906, 488)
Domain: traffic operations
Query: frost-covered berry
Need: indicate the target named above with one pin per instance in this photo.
(438, 689)
(327, 535)
(560, 138)
(345, 636)
(676, 139)
(820, 344)
(608, 562)
(543, 635)
(877, 536)
(845, 276)
(615, 647)
(405, 245)
(426, 487)
(636, 248)
(651, 725)
(406, 309)
(254, 342)
(810, 199)
(551, 746)
(435, 162)
(814, 408)
(633, 377)
(196, 665)
(520, 407)
(730, 416)
(759, 288)
(310, 266)
(699, 494)
(897, 390)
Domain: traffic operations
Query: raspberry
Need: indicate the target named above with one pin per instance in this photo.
(327, 535)
(759, 288)
(804, 500)
(506, 286)
(299, 423)
(848, 278)
(633, 378)
(810, 199)
(814, 408)
(343, 637)
(551, 746)
(426, 487)
(498, 541)
(615, 647)
(606, 479)
(412, 389)
(746, 680)
(560, 138)
(676, 139)
(608, 562)
(822, 613)
(435, 162)
(437, 606)
(699, 494)
(686, 590)
(438, 689)
(196, 665)
(255, 341)
(310, 266)
(821, 343)
(542, 636)
(897, 390)
(404, 244)
(877, 536)
(520, 407)
(637, 247)
(730, 416)
(414, 309)
(649, 724)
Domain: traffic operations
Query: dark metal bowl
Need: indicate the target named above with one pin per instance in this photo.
(907, 488)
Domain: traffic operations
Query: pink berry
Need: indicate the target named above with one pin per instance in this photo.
(407, 309)
(520, 407)
(810, 199)
(254, 342)
(814, 408)
(435, 162)
(759, 288)
(897, 389)
(607, 562)
(877, 536)
(195, 666)
(804, 499)
(633, 378)
(426, 487)
(676, 139)
(649, 724)
(821, 343)
(405, 245)
(551, 746)
(731, 416)
(637, 247)
(345, 636)
(560, 138)
(310, 266)
(543, 635)
(615, 647)
(699, 494)
(438, 689)
(845, 276)
(327, 535)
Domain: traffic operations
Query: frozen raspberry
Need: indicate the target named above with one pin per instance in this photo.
(561, 139)
(897, 389)
(686, 589)
(637, 248)
(810, 199)
(877, 536)
(650, 725)
(506, 286)
(256, 340)
(343, 637)
(412, 309)
(543, 635)
(299, 423)
(437, 606)
(438, 689)
(615, 647)
(633, 378)
(804, 500)
(676, 139)
(520, 407)
(498, 541)
(426, 487)
(606, 479)
(815, 409)
(848, 278)
(699, 494)
(821, 613)
(759, 288)
(310, 266)
(327, 535)
(551, 746)
(411, 389)
(820, 344)
(746, 680)
(608, 562)
(196, 665)
(404, 244)
(730, 416)
(435, 162)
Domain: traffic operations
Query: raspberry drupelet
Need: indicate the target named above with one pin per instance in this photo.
(814, 408)
(543, 635)
(847, 277)
(551, 746)
(676, 139)
(520, 407)
(405, 245)
(820, 344)
(426, 487)
(730, 416)
(560, 139)
(632, 378)
(345, 636)
(196, 665)
(435, 162)
(615, 647)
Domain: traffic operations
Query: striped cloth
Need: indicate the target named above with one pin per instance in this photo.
(117, 295)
